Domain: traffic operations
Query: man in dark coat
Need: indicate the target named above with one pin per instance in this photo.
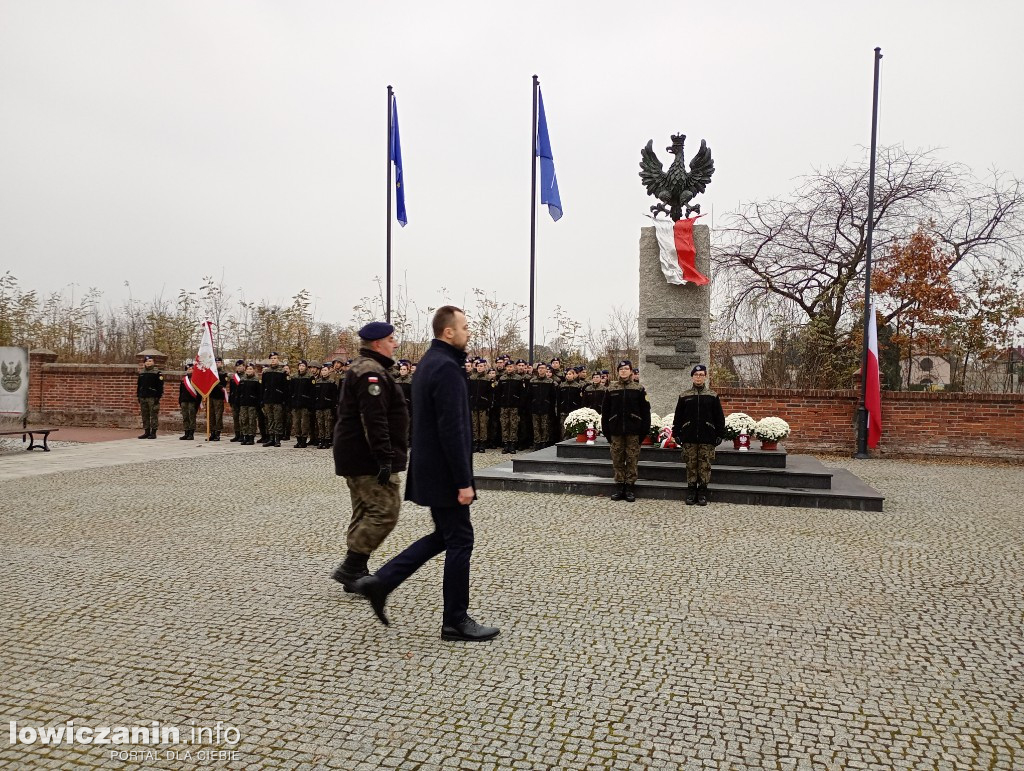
(441, 477)
(370, 447)
(698, 425)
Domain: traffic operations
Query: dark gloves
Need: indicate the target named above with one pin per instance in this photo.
(384, 475)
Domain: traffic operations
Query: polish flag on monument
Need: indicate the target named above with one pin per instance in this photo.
(873, 384)
(678, 252)
(205, 375)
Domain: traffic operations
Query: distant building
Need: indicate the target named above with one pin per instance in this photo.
(927, 369)
(742, 360)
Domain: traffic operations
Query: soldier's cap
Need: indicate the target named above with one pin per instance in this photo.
(520, 361)
(698, 368)
(147, 358)
(240, 361)
(376, 330)
(189, 365)
(556, 359)
(336, 361)
(604, 372)
(579, 368)
(303, 361)
(275, 353)
(219, 359)
(624, 363)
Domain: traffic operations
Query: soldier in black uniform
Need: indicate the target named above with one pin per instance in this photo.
(216, 402)
(189, 400)
(556, 372)
(248, 396)
(233, 382)
(698, 426)
(149, 389)
(301, 403)
(286, 415)
(570, 397)
(626, 420)
(510, 396)
(481, 397)
(371, 445)
(542, 405)
(275, 396)
(593, 394)
(325, 402)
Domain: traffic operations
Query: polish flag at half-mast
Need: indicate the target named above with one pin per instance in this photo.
(205, 375)
(873, 384)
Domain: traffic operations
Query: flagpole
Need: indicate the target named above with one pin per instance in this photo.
(387, 307)
(206, 406)
(533, 210)
(862, 410)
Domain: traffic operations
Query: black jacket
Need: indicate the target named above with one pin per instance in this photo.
(248, 392)
(186, 397)
(481, 392)
(511, 391)
(570, 397)
(275, 386)
(698, 418)
(217, 392)
(325, 393)
(302, 392)
(233, 387)
(150, 384)
(441, 462)
(542, 395)
(372, 429)
(593, 397)
(626, 410)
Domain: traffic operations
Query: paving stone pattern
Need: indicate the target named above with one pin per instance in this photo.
(633, 636)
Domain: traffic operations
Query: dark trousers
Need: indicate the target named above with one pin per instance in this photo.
(453, 534)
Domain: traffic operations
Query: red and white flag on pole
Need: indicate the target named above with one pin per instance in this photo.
(873, 384)
(205, 375)
(678, 252)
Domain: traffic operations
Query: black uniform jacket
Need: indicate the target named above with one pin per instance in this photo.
(185, 396)
(542, 395)
(150, 384)
(249, 392)
(481, 392)
(325, 394)
(302, 392)
(570, 397)
(511, 391)
(698, 418)
(275, 386)
(217, 392)
(593, 397)
(626, 410)
(234, 380)
(372, 430)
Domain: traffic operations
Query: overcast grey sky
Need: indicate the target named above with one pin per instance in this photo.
(155, 142)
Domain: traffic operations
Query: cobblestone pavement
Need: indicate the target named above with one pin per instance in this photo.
(194, 590)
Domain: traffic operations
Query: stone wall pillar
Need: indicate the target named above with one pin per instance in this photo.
(675, 322)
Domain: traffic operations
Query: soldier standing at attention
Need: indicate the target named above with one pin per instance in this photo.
(698, 426)
(557, 374)
(593, 395)
(149, 389)
(510, 395)
(570, 397)
(625, 420)
(481, 397)
(275, 393)
(286, 417)
(189, 399)
(233, 382)
(249, 398)
(325, 401)
(302, 403)
(542, 404)
(216, 402)
(371, 445)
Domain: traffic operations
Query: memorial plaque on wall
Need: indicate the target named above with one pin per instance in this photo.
(13, 381)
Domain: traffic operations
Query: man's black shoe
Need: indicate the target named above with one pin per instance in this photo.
(469, 631)
(691, 495)
(372, 589)
(144, 436)
(505, 449)
(346, 578)
(629, 494)
(619, 494)
(237, 438)
(702, 495)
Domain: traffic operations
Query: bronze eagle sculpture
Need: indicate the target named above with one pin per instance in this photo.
(676, 187)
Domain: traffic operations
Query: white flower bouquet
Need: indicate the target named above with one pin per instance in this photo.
(577, 421)
(738, 422)
(771, 429)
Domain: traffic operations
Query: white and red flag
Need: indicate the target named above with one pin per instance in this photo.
(205, 375)
(678, 252)
(873, 384)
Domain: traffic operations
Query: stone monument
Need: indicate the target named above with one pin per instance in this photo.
(675, 264)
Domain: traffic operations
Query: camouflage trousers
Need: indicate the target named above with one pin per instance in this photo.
(509, 424)
(247, 421)
(275, 418)
(325, 424)
(149, 406)
(541, 429)
(300, 421)
(374, 512)
(698, 459)
(479, 420)
(625, 456)
(216, 416)
(188, 415)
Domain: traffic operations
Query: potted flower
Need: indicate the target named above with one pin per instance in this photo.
(771, 431)
(737, 423)
(652, 432)
(578, 421)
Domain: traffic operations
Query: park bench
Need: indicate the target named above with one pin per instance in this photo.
(30, 432)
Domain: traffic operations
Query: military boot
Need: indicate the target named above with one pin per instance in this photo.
(505, 449)
(298, 443)
(691, 495)
(277, 440)
(215, 436)
(238, 438)
(630, 493)
(619, 494)
(351, 570)
(702, 495)
(144, 436)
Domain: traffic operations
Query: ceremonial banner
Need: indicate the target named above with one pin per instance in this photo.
(205, 375)
(873, 389)
(678, 252)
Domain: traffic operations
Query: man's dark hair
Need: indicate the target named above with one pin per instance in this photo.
(444, 317)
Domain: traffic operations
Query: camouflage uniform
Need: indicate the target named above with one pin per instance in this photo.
(275, 394)
(374, 512)
(481, 396)
(510, 394)
(248, 405)
(625, 420)
(149, 389)
(625, 456)
(698, 459)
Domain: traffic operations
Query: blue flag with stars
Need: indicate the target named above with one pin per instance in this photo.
(396, 158)
(548, 180)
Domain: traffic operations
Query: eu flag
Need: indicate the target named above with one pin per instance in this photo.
(395, 152)
(548, 180)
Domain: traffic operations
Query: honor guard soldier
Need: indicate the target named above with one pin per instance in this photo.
(233, 382)
(481, 397)
(371, 445)
(325, 401)
(216, 402)
(302, 403)
(625, 420)
(557, 374)
(510, 397)
(570, 397)
(189, 400)
(149, 389)
(248, 396)
(593, 394)
(698, 426)
(286, 416)
(542, 405)
(275, 395)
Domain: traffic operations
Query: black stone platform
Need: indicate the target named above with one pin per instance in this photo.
(772, 478)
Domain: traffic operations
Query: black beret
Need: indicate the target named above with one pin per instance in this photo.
(147, 358)
(303, 361)
(376, 330)
(556, 359)
(274, 353)
(240, 361)
(698, 368)
(189, 365)
(520, 361)
(604, 372)
(624, 363)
